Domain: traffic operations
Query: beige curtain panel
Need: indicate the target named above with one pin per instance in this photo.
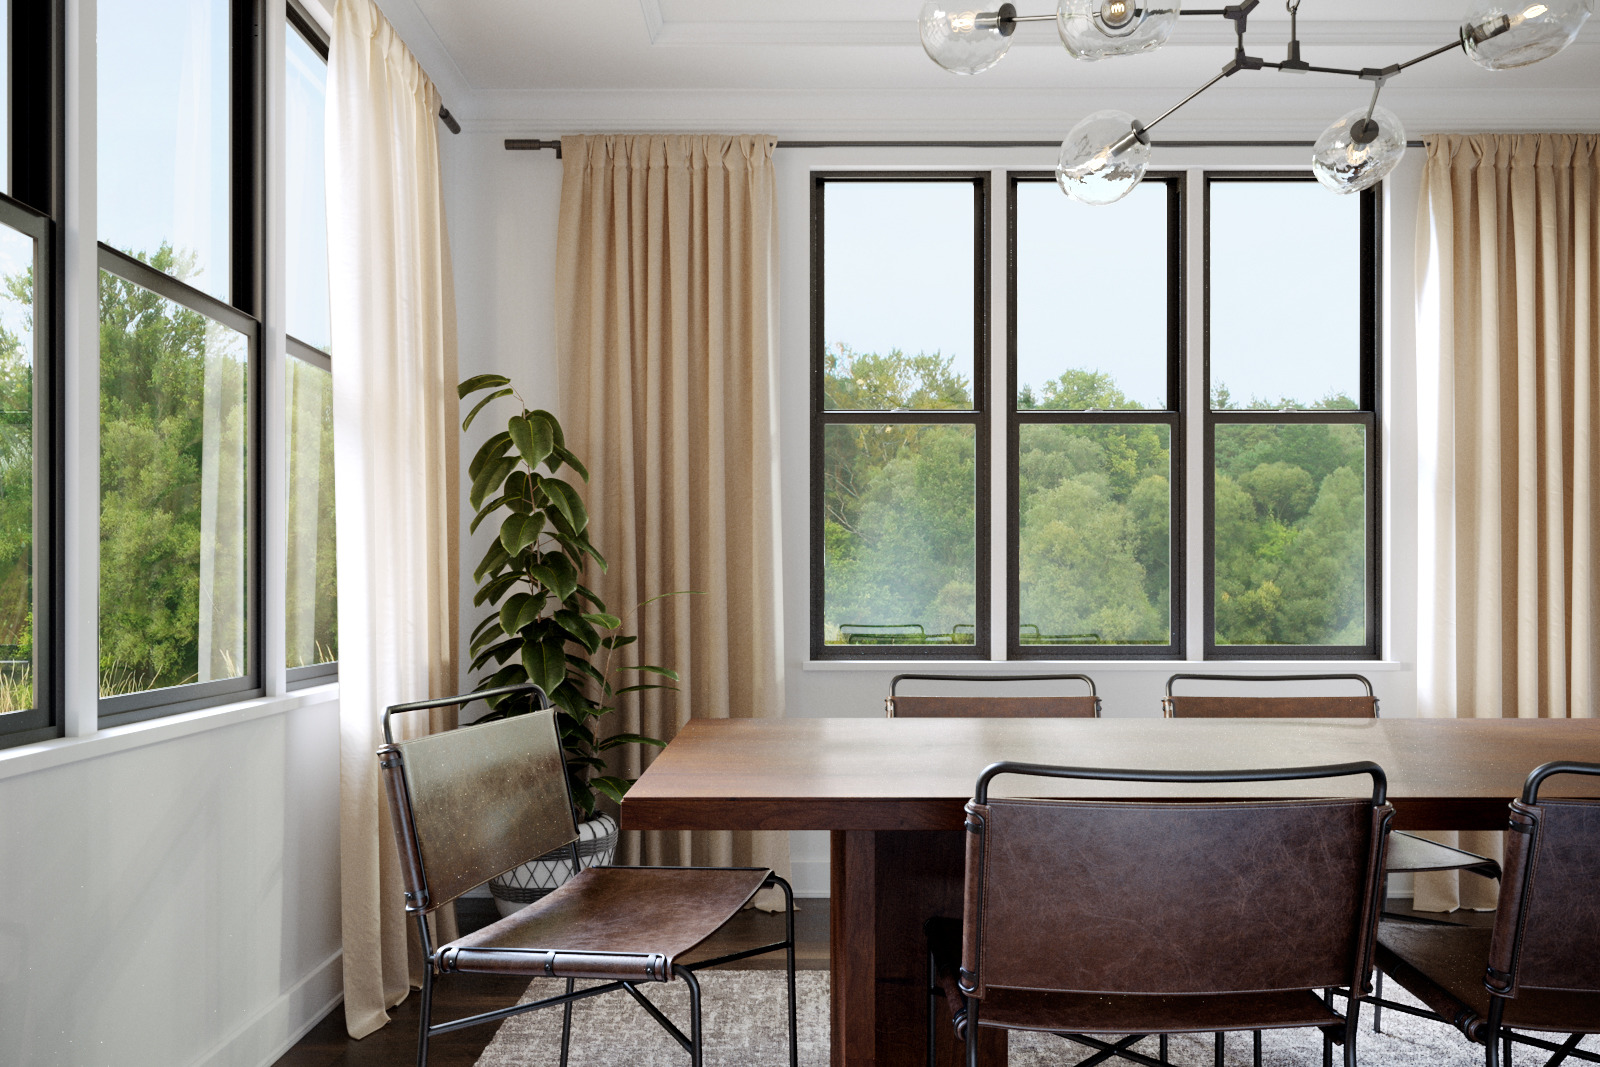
(1509, 358)
(666, 315)
(395, 419)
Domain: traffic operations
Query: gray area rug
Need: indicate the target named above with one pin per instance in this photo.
(745, 1025)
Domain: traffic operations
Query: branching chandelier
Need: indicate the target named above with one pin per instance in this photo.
(1105, 155)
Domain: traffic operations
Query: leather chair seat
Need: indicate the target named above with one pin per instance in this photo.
(1443, 966)
(609, 922)
(1408, 853)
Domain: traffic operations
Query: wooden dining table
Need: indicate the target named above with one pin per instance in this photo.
(891, 792)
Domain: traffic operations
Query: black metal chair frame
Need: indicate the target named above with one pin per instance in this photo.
(1499, 1036)
(693, 1042)
(897, 679)
(1166, 700)
(967, 1020)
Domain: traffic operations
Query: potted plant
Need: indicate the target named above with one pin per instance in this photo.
(544, 625)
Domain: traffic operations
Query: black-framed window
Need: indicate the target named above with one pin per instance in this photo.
(31, 484)
(1095, 396)
(1095, 335)
(311, 607)
(180, 180)
(1292, 439)
(900, 428)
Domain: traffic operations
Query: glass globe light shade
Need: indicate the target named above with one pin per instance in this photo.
(1093, 29)
(1103, 158)
(1498, 35)
(1350, 155)
(965, 42)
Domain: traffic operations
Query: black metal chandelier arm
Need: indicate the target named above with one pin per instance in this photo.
(1140, 133)
(1441, 50)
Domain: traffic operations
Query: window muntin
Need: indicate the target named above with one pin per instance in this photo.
(899, 439)
(1292, 437)
(165, 136)
(313, 605)
(5, 95)
(175, 485)
(306, 202)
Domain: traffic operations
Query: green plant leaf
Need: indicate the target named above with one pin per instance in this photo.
(533, 438)
(489, 479)
(644, 686)
(665, 671)
(499, 653)
(493, 559)
(519, 531)
(480, 381)
(466, 423)
(559, 455)
(545, 663)
(491, 591)
(602, 620)
(565, 573)
(630, 739)
(581, 631)
(510, 674)
(619, 640)
(582, 665)
(555, 426)
(611, 786)
(488, 452)
(568, 502)
(520, 610)
(592, 597)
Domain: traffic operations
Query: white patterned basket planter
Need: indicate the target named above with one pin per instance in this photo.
(521, 886)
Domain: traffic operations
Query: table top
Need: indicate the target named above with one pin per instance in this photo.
(915, 774)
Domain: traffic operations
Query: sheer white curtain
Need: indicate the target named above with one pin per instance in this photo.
(395, 445)
(1509, 338)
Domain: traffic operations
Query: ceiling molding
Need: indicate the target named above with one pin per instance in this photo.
(654, 21)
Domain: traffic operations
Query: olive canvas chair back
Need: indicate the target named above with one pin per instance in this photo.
(985, 703)
(1547, 926)
(1234, 705)
(471, 803)
(1224, 897)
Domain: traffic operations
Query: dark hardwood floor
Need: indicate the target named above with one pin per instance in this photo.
(327, 1045)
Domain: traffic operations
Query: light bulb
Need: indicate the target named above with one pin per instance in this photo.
(1103, 158)
(1498, 36)
(1351, 155)
(1093, 29)
(966, 42)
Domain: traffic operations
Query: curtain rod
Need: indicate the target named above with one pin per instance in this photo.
(531, 145)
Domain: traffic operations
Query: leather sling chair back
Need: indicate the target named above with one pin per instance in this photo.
(1539, 967)
(470, 803)
(1140, 917)
(988, 705)
(1408, 854)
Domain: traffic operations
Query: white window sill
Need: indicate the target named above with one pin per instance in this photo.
(42, 755)
(1001, 668)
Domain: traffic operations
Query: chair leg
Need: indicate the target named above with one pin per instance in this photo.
(1505, 1055)
(1377, 1007)
(1256, 1035)
(1327, 1049)
(1164, 1049)
(696, 1042)
(933, 1012)
(566, 1023)
(426, 1006)
(971, 1007)
(794, 1017)
(1219, 1048)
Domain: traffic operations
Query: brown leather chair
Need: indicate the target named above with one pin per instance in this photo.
(987, 705)
(1539, 967)
(1128, 917)
(471, 803)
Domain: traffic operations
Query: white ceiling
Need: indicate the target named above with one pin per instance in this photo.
(856, 67)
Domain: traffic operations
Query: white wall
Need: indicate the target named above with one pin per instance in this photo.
(170, 889)
(504, 207)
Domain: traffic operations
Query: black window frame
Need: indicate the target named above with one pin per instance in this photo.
(978, 417)
(36, 56)
(243, 312)
(300, 22)
(1366, 415)
(1174, 416)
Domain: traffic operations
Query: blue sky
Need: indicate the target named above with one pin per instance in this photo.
(1285, 262)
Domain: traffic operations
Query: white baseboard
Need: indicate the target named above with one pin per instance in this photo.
(261, 1040)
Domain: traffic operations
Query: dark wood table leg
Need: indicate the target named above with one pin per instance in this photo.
(885, 885)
